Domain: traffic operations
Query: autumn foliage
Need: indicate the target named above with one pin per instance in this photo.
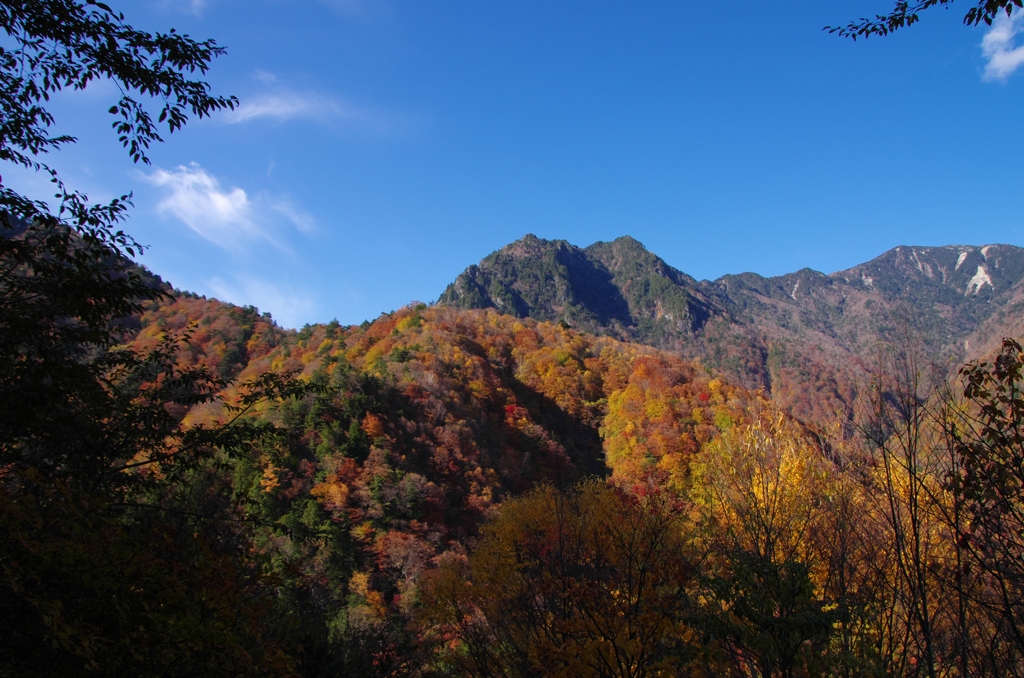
(592, 582)
(427, 420)
(445, 492)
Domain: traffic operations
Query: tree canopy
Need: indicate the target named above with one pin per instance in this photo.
(118, 553)
(906, 13)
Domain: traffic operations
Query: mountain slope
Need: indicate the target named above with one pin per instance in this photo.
(804, 336)
(616, 288)
(421, 424)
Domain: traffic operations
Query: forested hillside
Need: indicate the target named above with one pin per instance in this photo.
(428, 498)
(417, 428)
(465, 492)
(806, 337)
(444, 492)
(579, 463)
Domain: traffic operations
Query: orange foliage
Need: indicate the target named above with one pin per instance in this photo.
(436, 416)
(372, 426)
(659, 420)
(223, 337)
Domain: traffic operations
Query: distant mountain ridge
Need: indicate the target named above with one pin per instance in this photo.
(794, 334)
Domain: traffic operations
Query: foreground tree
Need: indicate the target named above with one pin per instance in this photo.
(118, 551)
(899, 434)
(66, 286)
(591, 583)
(986, 438)
(942, 612)
(906, 13)
(756, 490)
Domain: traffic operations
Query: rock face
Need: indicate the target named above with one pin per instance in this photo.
(805, 336)
(616, 288)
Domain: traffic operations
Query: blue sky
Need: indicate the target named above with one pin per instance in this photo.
(382, 146)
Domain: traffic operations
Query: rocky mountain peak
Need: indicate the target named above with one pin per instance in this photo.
(770, 332)
(941, 272)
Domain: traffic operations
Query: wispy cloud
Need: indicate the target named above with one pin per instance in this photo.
(289, 306)
(223, 216)
(283, 106)
(295, 215)
(227, 217)
(287, 107)
(265, 76)
(1002, 56)
(193, 6)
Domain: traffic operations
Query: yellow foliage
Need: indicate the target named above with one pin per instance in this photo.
(584, 584)
(359, 584)
(478, 387)
(378, 350)
(407, 322)
(759, 484)
(270, 480)
(332, 494)
(715, 386)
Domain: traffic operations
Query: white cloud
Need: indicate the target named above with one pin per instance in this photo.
(194, 6)
(290, 307)
(1002, 56)
(288, 106)
(225, 217)
(283, 105)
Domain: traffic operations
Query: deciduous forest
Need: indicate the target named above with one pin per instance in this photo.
(188, 489)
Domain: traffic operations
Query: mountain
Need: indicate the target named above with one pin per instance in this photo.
(806, 337)
(616, 288)
(413, 431)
